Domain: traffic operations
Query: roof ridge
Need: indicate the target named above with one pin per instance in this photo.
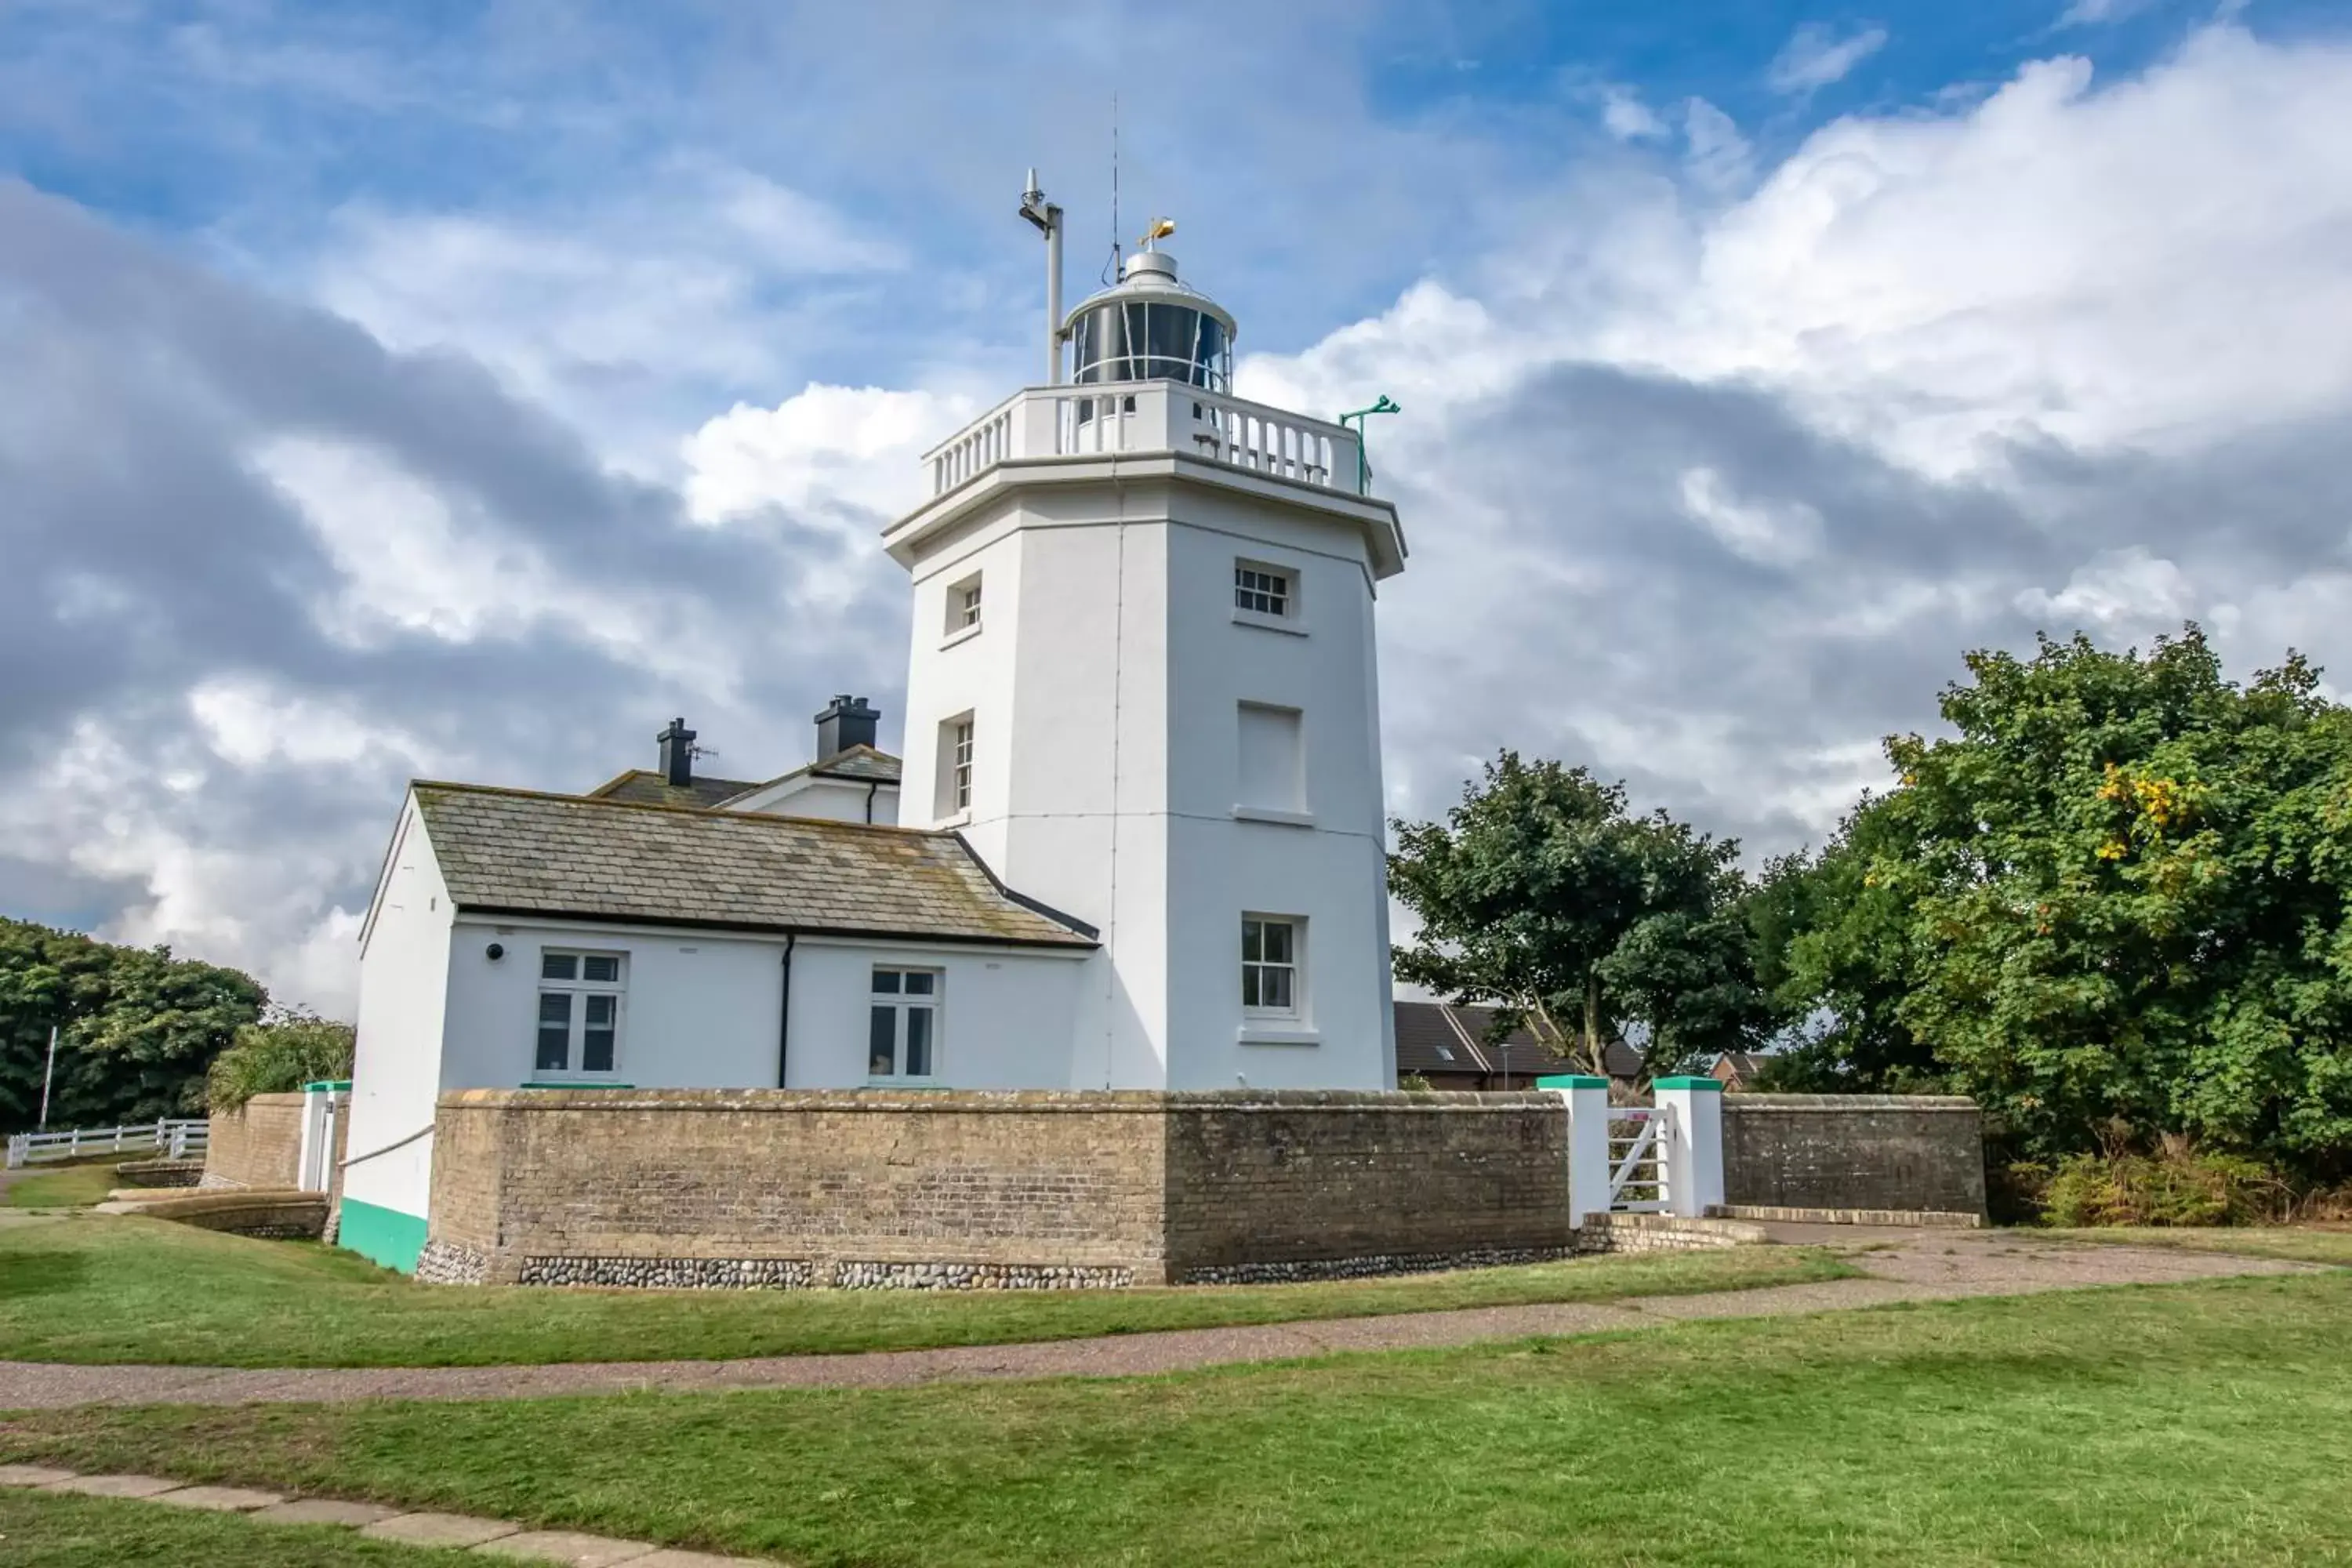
(699, 813)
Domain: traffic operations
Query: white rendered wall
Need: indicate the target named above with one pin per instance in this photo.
(1105, 687)
(397, 1069)
(835, 800)
(701, 1010)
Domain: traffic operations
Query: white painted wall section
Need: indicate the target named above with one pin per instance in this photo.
(403, 998)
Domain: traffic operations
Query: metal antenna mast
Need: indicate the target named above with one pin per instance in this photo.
(1047, 217)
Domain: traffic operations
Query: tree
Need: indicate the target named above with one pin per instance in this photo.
(137, 1026)
(289, 1048)
(1833, 952)
(1542, 894)
(2113, 906)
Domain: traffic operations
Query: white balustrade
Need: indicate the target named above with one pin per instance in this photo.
(1150, 416)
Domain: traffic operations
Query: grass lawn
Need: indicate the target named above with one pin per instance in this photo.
(2208, 1424)
(2305, 1244)
(44, 1529)
(66, 1186)
(97, 1288)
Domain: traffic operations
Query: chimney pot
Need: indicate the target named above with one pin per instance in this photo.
(678, 753)
(846, 722)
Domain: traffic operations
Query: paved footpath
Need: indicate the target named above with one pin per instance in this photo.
(482, 1536)
(1909, 1265)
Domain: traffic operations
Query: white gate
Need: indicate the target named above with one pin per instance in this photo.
(1639, 1141)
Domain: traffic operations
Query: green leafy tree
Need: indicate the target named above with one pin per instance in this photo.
(287, 1049)
(1542, 894)
(2113, 906)
(137, 1026)
(1833, 953)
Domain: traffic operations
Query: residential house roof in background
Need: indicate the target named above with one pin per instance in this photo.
(1446, 1038)
(862, 764)
(598, 858)
(645, 787)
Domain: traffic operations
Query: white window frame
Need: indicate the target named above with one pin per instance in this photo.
(959, 734)
(1259, 968)
(963, 609)
(1267, 595)
(579, 989)
(902, 1004)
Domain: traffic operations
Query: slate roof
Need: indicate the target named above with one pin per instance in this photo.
(518, 852)
(645, 787)
(862, 763)
(1430, 1038)
(859, 762)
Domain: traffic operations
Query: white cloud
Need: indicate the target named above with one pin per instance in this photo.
(1716, 155)
(1781, 534)
(620, 315)
(825, 447)
(1625, 116)
(1815, 56)
(2157, 265)
(2128, 593)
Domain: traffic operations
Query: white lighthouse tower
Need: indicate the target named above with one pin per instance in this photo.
(1143, 687)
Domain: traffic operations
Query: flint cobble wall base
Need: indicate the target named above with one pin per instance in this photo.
(1916, 1152)
(1369, 1267)
(257, 1145)
(451, 1263)
(778, 1189)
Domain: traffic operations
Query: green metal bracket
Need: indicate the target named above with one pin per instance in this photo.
(1384, 404)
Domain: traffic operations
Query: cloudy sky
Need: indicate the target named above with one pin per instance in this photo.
(462, 389)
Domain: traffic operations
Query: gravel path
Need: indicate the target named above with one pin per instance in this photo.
(1899, 1266)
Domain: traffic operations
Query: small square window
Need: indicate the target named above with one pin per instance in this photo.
(559, 966)
(600, 967)
(1262, 590)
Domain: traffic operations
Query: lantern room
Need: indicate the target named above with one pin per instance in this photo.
(1152, 327)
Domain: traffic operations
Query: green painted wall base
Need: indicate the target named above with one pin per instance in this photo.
(381, 1234)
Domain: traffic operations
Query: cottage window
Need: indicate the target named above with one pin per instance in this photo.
(579, 1013)
(1261, 590)
(903, 1025)
(1270, 966)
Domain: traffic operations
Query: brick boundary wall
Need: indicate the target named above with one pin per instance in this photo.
(259, 1144)
(875, 1189)
(1853, 1152)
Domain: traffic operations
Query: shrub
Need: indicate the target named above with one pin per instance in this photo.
(2175, 1187)
(278, 1055)
(1414, 1082)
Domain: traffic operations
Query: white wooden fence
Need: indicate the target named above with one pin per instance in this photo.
(176, 1138)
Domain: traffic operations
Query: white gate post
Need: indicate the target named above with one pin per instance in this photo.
(1694, 1151)
(1587, 1099)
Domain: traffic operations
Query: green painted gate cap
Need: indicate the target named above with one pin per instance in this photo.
(1572, 1080)
(329, 1084)
(1689, 1083)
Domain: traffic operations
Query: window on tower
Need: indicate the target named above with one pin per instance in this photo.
(964, 608)
(1270, 951)
(1261, 590)
(955, 754)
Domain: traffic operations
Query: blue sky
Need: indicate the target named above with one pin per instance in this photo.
(462, 389)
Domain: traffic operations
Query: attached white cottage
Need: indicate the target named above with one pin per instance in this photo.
(1139, 842)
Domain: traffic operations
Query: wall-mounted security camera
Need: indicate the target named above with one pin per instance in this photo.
(495, 951)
